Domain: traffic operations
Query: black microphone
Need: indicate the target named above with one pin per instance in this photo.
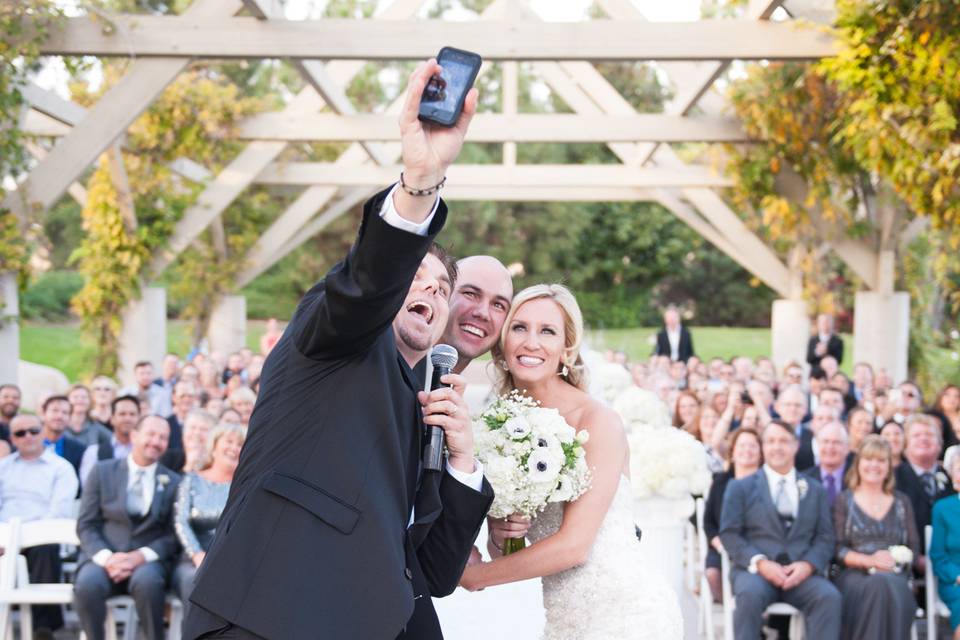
(443, 357)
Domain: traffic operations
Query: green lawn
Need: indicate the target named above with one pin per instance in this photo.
(708, 342)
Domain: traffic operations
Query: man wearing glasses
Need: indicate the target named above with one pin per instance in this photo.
(35, 484)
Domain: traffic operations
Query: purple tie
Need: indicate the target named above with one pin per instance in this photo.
(831, 488)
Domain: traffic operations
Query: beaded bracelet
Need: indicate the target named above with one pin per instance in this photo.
(421, 192)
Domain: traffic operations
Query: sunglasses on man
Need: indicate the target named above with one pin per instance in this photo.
(22, 433)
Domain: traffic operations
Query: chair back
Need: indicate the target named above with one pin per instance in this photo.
(9, 534)
(728, 601)
(930, 606)
(701, 534)
(52, 531)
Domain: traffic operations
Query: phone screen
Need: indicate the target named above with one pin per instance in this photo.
(443, 96)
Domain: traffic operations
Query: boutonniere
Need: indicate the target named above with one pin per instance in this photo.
(941, 479)
(163, 480)
(802, 487)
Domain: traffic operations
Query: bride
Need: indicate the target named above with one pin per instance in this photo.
(594, 584)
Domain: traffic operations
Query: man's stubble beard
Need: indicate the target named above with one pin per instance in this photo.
(413, 340)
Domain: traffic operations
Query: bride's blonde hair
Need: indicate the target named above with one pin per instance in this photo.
(572, 331)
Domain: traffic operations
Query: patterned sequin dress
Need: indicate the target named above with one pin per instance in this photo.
(611, 596)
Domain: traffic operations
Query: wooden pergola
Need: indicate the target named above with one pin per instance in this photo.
(328, 53)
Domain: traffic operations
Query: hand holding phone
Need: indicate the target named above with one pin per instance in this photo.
(443, 97)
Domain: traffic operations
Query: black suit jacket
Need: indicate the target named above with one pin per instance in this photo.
(73, 451)
(804, 458)
(834, 348)
(908, 482)
(104, 523)
(684, 349)
(314, 539)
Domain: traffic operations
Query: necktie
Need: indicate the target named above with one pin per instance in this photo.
(929, 484)
(783, 503)
(831, 483)
(135, 495)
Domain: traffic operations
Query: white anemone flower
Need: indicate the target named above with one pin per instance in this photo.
(517, 427)
(543, 466)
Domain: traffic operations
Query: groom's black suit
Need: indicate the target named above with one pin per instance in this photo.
(314, 541)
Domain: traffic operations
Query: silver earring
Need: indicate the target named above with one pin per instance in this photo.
(564, 371)
(503, 365)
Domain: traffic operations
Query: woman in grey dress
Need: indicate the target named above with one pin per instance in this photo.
(200, 501)
(870, 518)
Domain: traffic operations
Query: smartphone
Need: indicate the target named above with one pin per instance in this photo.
(442, 99)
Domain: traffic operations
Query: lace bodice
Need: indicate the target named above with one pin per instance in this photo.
(611, 595)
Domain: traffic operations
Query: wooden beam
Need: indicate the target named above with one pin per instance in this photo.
(107, 120)
(501, 128)
(604, 175)
(76, 190)
(161, 36)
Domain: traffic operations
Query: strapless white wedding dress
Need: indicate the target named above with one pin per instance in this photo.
(611, 596)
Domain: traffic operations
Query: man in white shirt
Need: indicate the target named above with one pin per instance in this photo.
(36, 484)
(674, 340)
(777, 529)
(127, 540)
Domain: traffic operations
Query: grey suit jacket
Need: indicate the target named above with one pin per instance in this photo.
(104, 523)
(750, 525)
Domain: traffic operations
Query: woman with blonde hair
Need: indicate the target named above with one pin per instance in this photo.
(104, 390)
(595, 585)
(201, 498)
(870, 519)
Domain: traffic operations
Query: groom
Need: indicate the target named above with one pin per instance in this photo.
(332, 530)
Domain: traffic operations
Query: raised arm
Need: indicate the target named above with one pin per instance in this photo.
(360, 296)
(570, 546)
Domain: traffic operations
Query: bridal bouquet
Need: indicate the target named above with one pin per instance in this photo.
(530, 456)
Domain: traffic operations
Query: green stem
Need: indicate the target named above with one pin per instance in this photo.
(511, 545)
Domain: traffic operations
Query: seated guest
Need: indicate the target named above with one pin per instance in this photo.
(127, 541)
(185, 398)
(859, 426)
(200, 501)
(242, 400)
(920, 476)
(776, 527)
(36, 484)
(702, 429)
(946, 408)
(833, 398)
(230, 416)
(892, 432)
(945, 549)
(104, 391)
(791, 406)
(834, 447)
(196, 434)
(125, 412)
(862, 380)
(822, 416)
(870, 518)
(745, 459)
(841, 383)
(155, 396)
(817, 382)
(82, 426)
(56, 415)
(9, 407)
(685, 409)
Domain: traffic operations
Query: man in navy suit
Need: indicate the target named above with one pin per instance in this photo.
(833, 445)
(55, 416)
(791, 405)
(777, 529)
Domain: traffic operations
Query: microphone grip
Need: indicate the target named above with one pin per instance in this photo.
(433, 447)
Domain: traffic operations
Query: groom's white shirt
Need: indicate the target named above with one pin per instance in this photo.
(392, 217)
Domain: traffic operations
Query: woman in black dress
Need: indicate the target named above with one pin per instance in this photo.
(745, 459)
(872, 520)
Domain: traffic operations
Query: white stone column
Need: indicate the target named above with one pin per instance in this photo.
(228, 325)
(143, 335)
(789, 332)
(881, 331)
(9, 328)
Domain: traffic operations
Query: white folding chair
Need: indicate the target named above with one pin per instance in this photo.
(935, 607)
(706, 626)
(797, 626)
(123, 608)
(691, 570)
(9, 532)
(24, 593)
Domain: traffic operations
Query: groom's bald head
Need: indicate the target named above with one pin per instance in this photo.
(478, 307)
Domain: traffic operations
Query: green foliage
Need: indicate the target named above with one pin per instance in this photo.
(48, 296)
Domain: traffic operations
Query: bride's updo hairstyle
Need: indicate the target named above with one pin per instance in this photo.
(576, 373)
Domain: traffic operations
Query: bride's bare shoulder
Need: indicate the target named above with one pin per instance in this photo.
(598, 417)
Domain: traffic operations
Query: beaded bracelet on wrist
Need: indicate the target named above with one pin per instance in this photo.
(421, 192)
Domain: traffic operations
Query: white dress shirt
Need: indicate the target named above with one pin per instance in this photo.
(793, 493)
(45, 487)
(91, 456)
(149, 485)
(674, 338)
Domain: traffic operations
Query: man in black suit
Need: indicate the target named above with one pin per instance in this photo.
(920, 475)
(127, 541)
(56, 415)
(826, 342)
(674, 340)
(791, 405)
(332, 528)
(833, 444)
(777, 529)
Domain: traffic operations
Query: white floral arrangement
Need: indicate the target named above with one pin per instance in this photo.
(608, 380)
(664, 461)
(530, 456)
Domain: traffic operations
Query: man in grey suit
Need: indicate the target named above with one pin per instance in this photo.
(127, 541)
(777, 530)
